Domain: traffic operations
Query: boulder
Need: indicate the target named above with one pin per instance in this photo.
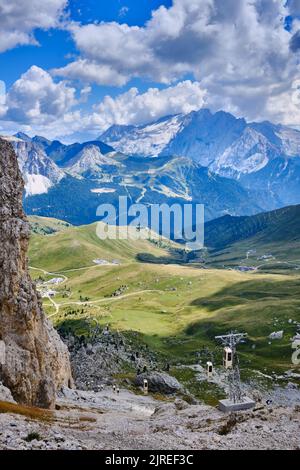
(181, 404)
(5, 394)
(159, 382)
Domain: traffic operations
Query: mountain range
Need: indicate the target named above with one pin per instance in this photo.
(263, 157)
(231, 166)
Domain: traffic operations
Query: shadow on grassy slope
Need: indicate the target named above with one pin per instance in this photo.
(257, 307)
(178, 256)
(256, 290)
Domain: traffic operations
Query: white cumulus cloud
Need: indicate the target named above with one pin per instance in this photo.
(133, 107)
(89, 71)
(36, 98)
(19, 19)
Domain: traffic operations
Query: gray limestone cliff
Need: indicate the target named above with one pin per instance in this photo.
(34, 362)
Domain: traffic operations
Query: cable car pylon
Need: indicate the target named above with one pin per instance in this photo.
(237, 400)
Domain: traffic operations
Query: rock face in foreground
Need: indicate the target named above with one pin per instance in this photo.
(34, 362)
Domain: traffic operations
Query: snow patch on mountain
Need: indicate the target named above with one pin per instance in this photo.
(148, 140)
(103, 190)
(37, 184)
(39, 172)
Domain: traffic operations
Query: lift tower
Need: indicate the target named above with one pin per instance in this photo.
(236, 400)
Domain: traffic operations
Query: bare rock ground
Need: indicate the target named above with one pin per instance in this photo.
(112, 421)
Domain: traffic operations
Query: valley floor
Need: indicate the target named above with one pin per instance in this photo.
(106, 421)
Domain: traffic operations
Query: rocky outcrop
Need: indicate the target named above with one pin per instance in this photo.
(34, 362)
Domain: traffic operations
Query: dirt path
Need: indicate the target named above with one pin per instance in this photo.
(47, 273)
(60, 273)
(55, 305)
(102, 300)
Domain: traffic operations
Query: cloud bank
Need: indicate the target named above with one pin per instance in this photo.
(239, 51)
(38, 104)
(239, 54)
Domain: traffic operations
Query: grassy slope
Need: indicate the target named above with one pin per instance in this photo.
(79, 246)
(276, 233)
(176, 323)
(46, 225)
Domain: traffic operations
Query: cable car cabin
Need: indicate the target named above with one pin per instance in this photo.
(210, 369)
(145, 387)
(228, 358)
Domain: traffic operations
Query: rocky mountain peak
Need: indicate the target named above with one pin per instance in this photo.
(90, 158)
(34, 362)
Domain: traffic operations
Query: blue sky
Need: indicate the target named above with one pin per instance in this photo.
(72, 68)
